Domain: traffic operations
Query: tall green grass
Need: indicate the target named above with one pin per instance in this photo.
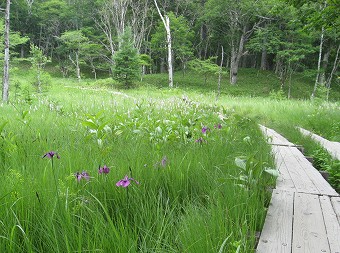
(199, 201)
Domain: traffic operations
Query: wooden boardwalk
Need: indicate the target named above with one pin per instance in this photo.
(304, 212)
(331, 146)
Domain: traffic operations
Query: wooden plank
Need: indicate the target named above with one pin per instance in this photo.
(274, 138)
(309, 232)
(336, 206)
(332, 147)
(323, 187)
(335, 147)
(284, 180)
(276, 235)
(299, 176)
(331, 223)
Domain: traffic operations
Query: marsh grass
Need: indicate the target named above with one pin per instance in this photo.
(195, 202)
(199, 200)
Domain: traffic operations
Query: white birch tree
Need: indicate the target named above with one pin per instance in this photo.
(5, 82)
(166, 22)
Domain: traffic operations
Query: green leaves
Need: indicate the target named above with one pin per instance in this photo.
(97, 127)
(272, 172)
(251, 171)
(206, 67)
(182, 39)
(241, 163)
(126, 68)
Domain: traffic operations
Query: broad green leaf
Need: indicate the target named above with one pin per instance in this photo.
(89, 123)
(240, 163)
(2, 126)
(272, 172)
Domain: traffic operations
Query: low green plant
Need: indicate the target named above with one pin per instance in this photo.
(278, 95)
(323, 161)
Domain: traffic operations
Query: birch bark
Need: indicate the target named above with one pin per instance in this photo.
(5, 83)
(166, 22)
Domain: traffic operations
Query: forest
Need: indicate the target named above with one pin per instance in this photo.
(84, 36)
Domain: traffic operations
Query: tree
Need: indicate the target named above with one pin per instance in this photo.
(140, 23)
(38, 61)
(111, 19)
(126, 67)
(182, 38)
(5, 82)
(322, 17)
(166, 22)
(236, 21)
(73, 45)
(52, 20)
(205, 67)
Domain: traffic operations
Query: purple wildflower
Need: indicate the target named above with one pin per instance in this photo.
(164, 161)
(200, 140)
(205, 130)
(84, 175)
(218, 126)
(104, 170)
(125, 182)
(51, 154)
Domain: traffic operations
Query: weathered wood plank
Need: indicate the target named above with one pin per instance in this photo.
(284, 180)
(323, 187)
(309, 232)
(299, 176)
(276, 235)
(336, 206)
(331, 223)
(332, 147)
(305, 217)
(274, 138)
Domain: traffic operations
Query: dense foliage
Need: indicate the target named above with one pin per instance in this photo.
(282, 36)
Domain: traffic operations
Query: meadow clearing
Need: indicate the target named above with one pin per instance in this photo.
(88, 168)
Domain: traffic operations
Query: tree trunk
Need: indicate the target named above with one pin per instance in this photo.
(264, 59)
(204, 42)
(220, 75)
(166, 22)
(233, 66)
(141, 29)
(78, 67)
(325, 59)
(236, 55)
(319, 64)
(335, 66)
(168, 38)
(5, 83)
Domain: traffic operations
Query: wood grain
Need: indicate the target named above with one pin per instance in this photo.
(309, 233)
(331, 223)
(277, 231)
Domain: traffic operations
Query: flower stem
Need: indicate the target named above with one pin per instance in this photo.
(55, 179)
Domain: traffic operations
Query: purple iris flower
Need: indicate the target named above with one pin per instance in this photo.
(104, 170)
(200, 140)
(218, 126)
(51, 154)
(164, 161)
(125, 182)
(205, 130)
(84, 175)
